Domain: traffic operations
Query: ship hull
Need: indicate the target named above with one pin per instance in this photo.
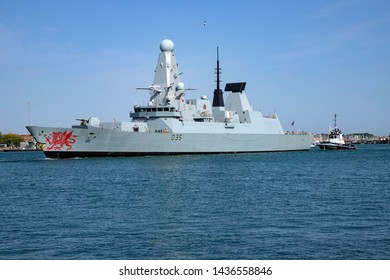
(95, 142)
(333, 146)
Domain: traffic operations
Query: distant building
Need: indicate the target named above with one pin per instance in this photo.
(356, 138)
(360, 137)
(27, 137)
(321, 137)
(28, 143)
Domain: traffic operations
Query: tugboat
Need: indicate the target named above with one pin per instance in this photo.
(336, 139)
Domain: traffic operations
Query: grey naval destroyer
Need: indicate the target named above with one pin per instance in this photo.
(170, 124)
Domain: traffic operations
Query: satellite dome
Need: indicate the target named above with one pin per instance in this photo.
(180, 86)
(167, 45)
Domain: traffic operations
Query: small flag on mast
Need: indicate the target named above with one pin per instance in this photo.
(292, 124)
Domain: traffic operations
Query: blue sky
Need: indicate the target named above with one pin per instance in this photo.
(306, 60)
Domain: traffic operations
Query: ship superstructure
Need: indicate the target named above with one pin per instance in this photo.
(171, 124)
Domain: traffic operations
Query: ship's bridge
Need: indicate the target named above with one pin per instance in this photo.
(154, 112)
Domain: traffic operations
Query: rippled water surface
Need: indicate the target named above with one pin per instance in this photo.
(302, 205)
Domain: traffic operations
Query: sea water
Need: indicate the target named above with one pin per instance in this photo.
(298, 205)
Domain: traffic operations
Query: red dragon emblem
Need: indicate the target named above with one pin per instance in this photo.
(58, 139)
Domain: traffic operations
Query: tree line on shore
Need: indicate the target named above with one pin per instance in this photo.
(11, 139)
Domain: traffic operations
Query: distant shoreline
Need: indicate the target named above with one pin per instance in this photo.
(19, 150)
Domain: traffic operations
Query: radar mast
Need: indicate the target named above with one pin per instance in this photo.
(218, 98)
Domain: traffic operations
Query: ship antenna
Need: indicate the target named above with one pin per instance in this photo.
(218, 70)
(335, 124)
(28, 107)
(218, 99)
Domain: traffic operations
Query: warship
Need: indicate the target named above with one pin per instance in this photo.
(170, 124)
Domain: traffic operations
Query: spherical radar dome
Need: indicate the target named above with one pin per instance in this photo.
(166, 45)
(180, 86)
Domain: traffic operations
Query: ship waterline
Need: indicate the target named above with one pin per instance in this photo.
(170, 124)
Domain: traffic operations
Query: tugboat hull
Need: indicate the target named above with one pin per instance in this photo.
(332, 146)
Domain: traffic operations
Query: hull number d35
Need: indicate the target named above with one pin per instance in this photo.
(176, 137)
